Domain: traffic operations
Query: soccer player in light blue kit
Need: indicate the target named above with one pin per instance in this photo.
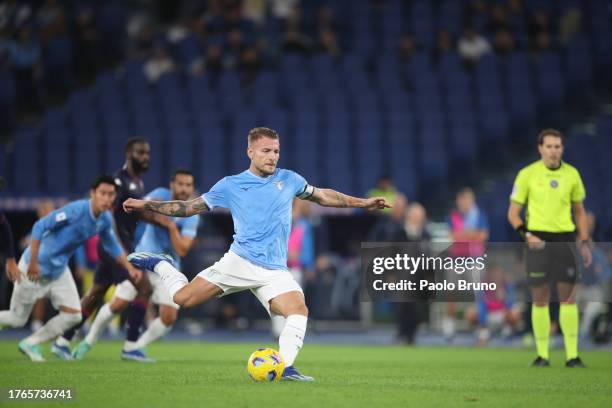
(174, 240)
(44, 264)
(260, 200)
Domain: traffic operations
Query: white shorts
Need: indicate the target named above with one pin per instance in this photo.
(61, 291)
(126, 291)
(232, 274)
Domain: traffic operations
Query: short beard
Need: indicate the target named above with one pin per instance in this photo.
(138, 167)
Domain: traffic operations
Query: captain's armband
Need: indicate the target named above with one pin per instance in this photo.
(306, 192)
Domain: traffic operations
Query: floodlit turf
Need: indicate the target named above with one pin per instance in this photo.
(209, 375)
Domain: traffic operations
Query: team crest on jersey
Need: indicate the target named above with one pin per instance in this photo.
(554, 183)
(133, 186)
(279, 184)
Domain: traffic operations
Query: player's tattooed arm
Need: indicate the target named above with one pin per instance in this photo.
(169, 208)
(332, 198)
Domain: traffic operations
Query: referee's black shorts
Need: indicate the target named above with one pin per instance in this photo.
(556, 262)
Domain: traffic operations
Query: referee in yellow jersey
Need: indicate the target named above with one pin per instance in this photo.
(549, 189)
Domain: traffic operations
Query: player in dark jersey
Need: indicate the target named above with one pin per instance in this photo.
(129, 185)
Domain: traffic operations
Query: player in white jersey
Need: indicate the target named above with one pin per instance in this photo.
(260, 201)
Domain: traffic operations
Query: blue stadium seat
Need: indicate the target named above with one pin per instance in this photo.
(57, 161)
(87, 158)
(551, 83)
(27, 163)
(578, 63)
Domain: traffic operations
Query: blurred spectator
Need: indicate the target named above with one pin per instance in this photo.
(255, 10)
(415, 221)
(570, 23)
(542, 42)
(295, 42)
(469, 230)
(235, 46)
(159, 64)
(444, 44)
(539, 22)
(25, 58)
(140, 36)
(504, 42)
(385, 188)
(594, 280)
(282, 9)
(13, 14)
(325, 19)
(214, 60)
(86, 42)
(477, 14)
(250, 64)
(495, 310)
(391, 228)
(498, 19)
(407, 47)
(472, 45)
(328, 43)
(516, 13)
(51, 20)
(410, 314)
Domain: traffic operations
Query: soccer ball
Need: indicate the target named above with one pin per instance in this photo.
(266, 365)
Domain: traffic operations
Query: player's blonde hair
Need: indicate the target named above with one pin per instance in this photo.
(259, 132)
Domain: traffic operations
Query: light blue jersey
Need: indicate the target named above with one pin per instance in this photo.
(157, 239)
(261, 210)
(62, 231)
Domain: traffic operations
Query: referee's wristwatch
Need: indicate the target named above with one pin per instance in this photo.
(527, 235)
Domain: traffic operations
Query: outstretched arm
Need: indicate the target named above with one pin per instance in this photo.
(331, 198)
(170, 208)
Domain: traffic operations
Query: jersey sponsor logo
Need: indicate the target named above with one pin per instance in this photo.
(554, 183)
(279, 184)
(59, 217)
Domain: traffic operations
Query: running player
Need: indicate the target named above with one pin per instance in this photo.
(175, 240)
(550, 189)
(260, 200)
(44, 268)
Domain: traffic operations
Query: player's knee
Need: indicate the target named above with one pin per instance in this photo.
(169, 318)
(118, 305)
(299, 309)
(71, 318)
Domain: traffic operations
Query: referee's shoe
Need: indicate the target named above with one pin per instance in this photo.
(575, 363)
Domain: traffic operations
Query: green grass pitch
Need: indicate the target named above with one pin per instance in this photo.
(214, 375)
